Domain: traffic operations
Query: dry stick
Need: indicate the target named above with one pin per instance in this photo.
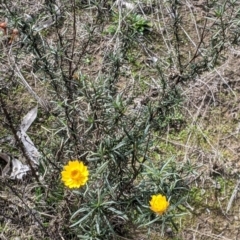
(25, 83)
(234, 194)
(74, 39)
(14, 131)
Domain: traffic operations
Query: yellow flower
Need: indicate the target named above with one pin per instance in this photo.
(74, 174)
(159, 204)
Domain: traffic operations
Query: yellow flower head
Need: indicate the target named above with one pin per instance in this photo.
(74, 174)
(159, 204)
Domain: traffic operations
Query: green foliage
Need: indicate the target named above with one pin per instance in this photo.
(110, 206)
(138, 24)
(129, 24)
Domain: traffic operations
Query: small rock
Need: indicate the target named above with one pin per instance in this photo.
(169, 231)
